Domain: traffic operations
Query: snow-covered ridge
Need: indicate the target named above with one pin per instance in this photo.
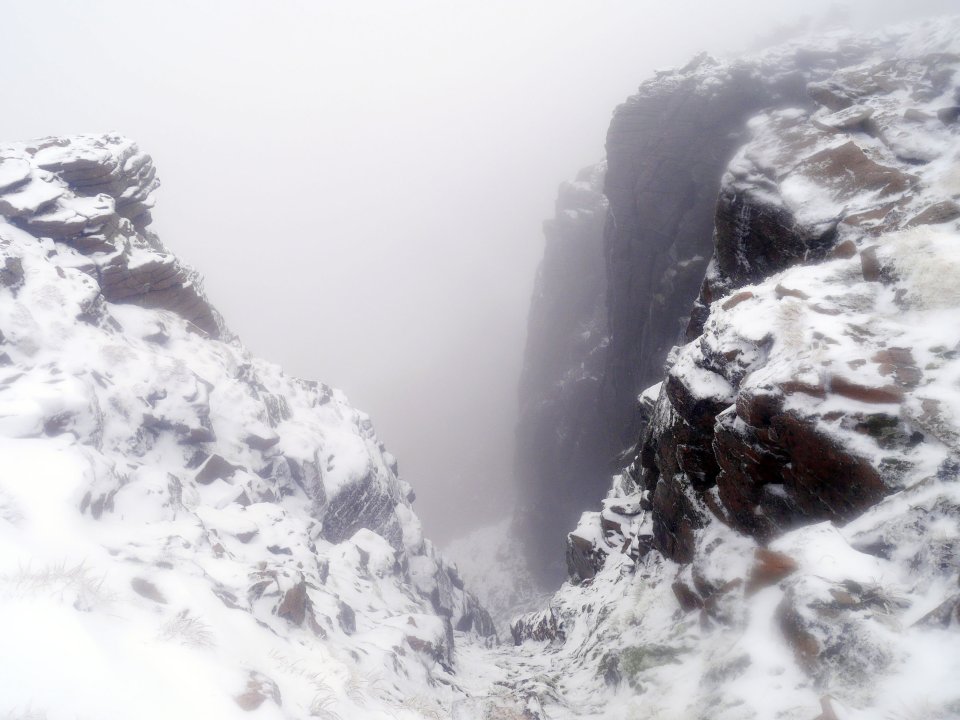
(185, 531)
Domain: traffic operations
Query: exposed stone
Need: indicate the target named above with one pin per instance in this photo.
(11, 274)
(347, 618)
(847, 119)
(147, 589)
(869, 264)
(295, 604)
(769, 568)
(584, 558)
(360, 504)
(804, 644)
(945, 615)
(539, 626)
(849, 170)
(260, 688)
(949, 115)
(940, 212)
(258, 442)
(862, 393)
(215, 468)
(686, 596)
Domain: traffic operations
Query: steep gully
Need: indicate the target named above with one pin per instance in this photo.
(773, 239)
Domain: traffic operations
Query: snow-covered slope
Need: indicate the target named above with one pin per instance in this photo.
(492, 563)
(184, 530)
(784, 543)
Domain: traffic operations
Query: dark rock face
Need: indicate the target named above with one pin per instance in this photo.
(769, 456)
(667, 148)
(800, 452)
(607, 309)
(560, 440)
(362, 504)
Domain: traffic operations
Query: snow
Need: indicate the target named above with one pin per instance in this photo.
(130, 589)
(12, 172)
(30, 197)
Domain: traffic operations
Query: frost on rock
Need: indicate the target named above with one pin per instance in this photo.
(783, 543)
(184, 530)
(493, 565)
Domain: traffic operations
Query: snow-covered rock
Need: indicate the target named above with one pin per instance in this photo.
(492, 562)
(626, 285)
(185, 531)
(783, 543)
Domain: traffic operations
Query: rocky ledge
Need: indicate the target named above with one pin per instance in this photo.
(93, 193)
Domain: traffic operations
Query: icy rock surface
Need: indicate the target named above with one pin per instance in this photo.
(630, 280)
(783, 544)
(184, 530)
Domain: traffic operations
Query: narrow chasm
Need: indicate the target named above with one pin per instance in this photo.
(738, 447)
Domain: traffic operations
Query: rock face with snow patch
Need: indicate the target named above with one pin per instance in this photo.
(633, 280)
(158, 483)
(94, 194)
(790, 516)
(805, 370)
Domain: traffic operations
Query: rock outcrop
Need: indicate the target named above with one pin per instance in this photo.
(560, 436)
(633, 287)
(789, 514)
(94, 194)
(161, 484)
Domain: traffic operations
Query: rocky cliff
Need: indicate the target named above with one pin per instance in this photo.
(789, 518)
(632, 281)
(184, 530)
(560, 435)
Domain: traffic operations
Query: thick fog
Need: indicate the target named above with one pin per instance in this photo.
(363, 183)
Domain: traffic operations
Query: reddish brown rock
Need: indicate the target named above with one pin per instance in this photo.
(686, 596)
(848, 168)
(675, 518)
(736, 299)
(805, 646)
(295, 604)
(260, 688)
(824, 479)
(935, 214)
(845, 250)
(864, 393)
(698, 410)
(769, 568)
(782, 292)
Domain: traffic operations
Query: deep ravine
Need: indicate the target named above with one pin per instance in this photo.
(750, 348)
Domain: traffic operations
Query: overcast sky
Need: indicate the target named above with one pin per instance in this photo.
(362, 183)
